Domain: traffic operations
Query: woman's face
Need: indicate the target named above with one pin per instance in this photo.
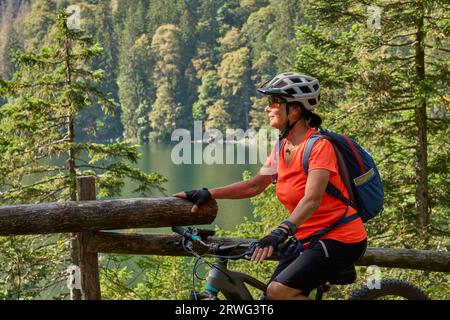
(276, 110)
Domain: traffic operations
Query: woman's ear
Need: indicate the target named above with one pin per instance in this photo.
(296, 110)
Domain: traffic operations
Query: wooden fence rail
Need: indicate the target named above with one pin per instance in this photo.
(109, 242)
(86, 217)
(79, 216)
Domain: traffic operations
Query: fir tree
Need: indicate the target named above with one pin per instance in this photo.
(135, 91)
(39, 157)
(234, 78)
(166, 112)
(385, 67)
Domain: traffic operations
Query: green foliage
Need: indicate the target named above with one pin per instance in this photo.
(380, 78)
(52, 86)
(38, 23)
(136, 90)
(376, 75)
(234, 79)
(94, 123)
(166, 114)
(31, 265)
(168, 62)
(155, 278)
(208, 92)
(244, 42)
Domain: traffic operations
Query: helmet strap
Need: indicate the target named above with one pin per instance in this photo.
(288, 127)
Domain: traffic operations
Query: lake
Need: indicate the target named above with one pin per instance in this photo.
(184, 177)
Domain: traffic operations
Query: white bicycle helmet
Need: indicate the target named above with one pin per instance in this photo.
(293, 86)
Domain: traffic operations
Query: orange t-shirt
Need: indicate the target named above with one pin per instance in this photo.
(290, 189)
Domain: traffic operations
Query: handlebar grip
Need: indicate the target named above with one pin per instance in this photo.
(180, 230)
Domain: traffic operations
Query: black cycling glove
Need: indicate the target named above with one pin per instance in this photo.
(276, 237)
(199, 197)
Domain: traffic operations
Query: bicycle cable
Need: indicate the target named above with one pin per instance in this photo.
(199, 257)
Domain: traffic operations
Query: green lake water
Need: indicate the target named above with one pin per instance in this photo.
(183, 177)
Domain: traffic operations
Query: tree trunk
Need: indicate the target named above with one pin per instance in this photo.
(421, 194)
(75, 294)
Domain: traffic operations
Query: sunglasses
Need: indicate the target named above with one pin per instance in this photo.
(275, 102)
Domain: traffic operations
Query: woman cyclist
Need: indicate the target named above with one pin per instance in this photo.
(292, 97)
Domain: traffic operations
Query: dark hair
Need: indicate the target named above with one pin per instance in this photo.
(312, 119)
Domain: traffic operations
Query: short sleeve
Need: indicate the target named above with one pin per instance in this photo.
(323, 157)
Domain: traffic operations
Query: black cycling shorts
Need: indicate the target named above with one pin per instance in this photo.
(316, 265)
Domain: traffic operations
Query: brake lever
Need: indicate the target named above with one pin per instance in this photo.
(248, 255)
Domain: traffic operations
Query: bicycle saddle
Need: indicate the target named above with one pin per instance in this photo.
(345, 276)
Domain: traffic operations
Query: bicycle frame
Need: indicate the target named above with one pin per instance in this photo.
(231, 283)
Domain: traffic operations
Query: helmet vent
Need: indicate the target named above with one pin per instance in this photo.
(316, 87)
(312, 101)
(296, 80)
(280, 84)
(305, 89)
(291, 91)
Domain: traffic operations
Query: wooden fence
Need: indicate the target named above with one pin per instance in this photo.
(87, 218)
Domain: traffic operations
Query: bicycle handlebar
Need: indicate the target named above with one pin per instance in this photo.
(214, 247)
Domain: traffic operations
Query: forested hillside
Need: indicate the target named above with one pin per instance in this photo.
(161, 64)
(169, 62)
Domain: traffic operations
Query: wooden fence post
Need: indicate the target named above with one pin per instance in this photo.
(90, 279)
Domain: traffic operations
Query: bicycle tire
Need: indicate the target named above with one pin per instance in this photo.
(390, 287)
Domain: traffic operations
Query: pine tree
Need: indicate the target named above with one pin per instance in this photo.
(98, 21)
(234, 78)
(388, 73)
(136, 91)
(62, 87)
(13, 43)
(38, 22)
(208, 91)
(167, 112)
(51, 86)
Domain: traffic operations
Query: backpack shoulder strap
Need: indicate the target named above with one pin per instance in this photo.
(308, 148)
(331, 189)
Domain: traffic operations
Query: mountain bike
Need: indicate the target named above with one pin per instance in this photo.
(232, 284)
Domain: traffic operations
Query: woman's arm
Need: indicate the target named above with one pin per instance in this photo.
(242, 189)
(238, 190)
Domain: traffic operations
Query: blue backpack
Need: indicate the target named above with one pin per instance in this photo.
(358, 172)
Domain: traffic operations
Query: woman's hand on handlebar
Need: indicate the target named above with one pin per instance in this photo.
(265, 246)
(198, 197)
(261, 254)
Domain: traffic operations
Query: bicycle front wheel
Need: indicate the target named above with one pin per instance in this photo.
(390, 289)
